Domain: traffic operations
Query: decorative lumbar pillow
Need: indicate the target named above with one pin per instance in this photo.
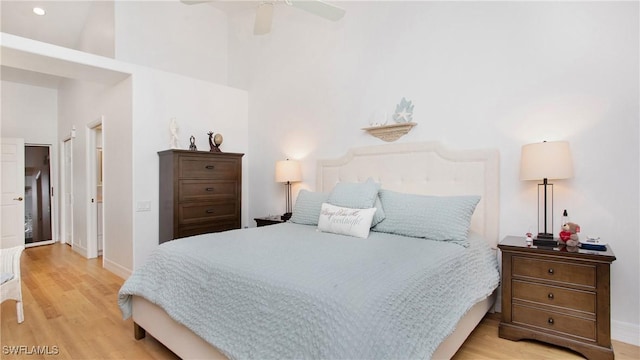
(442, 218)
(345, 221)
(306, 211)
(358, 196)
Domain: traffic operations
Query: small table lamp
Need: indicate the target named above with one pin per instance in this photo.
(546, 160)
(288, 171)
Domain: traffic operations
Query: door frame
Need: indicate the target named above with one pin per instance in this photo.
(53, 199)
(63, 182)
(92, 185)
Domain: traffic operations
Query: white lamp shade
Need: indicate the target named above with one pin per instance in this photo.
(288, 170)
(546, 160)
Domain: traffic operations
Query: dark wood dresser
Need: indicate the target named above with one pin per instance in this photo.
(557, 295)
(200, 192)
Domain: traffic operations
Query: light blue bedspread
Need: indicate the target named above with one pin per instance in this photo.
(289, 292)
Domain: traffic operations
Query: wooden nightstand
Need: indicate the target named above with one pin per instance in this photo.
(268, 220)
(557, 296)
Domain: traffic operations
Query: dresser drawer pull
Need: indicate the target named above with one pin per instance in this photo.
(550, 321)
(209, 189)
(550, 271)
(550, 296)
(209, 211)
(209, 167)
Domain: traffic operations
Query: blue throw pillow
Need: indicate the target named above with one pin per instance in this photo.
(442, 218)
(358, 196)
(306, 211)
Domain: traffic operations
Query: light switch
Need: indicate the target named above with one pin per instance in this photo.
(143, 206)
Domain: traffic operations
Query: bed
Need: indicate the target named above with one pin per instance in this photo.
(348, 298)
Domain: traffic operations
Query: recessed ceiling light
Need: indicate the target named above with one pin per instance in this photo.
(39, 11)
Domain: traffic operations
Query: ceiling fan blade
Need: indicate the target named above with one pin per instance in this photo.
(193, 2)
(264, 15)
(320, 8)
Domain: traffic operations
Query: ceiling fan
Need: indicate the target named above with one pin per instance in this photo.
(264, 12)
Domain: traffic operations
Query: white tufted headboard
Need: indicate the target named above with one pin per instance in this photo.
(427, 169)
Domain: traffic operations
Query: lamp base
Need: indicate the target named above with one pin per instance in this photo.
(544, 236)
(545, 240)
(286, 216)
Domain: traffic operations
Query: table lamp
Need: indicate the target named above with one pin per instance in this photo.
(288, 171)
(545, 160)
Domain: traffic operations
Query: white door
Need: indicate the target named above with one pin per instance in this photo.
(67, 190)
(94, 189)
(12, 189)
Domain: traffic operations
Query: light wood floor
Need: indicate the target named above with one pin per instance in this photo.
(70, 305)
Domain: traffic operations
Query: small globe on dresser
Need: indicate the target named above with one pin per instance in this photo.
(217, 139)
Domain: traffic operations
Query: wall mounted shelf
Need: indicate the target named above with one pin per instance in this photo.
(391, 132)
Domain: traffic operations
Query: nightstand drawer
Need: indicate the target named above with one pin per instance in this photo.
(554, 296)
(553, 321)
(190, 213)
(197, 190)
(204, 168)
(560, 272)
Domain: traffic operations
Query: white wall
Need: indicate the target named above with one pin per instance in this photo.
(168, 35)
(29, 112)
(198, 107)
(481, 74)
(82, 103)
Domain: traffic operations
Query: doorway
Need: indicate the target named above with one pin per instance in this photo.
(95, 213)
(66, 185)
(37, 190)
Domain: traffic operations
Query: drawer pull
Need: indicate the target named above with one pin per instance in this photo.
(209, 167)
(550, 296)
(550, 321)
(209, 189)
(209, 211)
(550, 271)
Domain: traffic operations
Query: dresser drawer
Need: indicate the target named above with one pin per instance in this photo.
(554, 296)
(208, 227)
(206, 190)
(195, 167)
(553, 321)
(190, 213)
(556, 271)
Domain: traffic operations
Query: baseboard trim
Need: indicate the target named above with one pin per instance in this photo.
(80, 250)
(116, 268)
(625, 332)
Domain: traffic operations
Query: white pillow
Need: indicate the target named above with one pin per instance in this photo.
(345, 221)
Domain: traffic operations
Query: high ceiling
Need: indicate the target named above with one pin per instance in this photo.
(65, 20)
(62, 25)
